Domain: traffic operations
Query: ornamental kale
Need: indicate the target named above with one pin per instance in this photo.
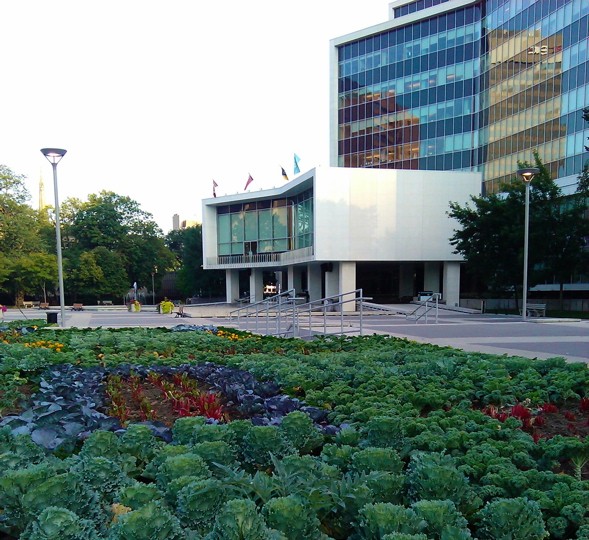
(442, 518)
(55, 523)
(435, 476)
(517, 519)
(299, 430)
(263, 441)
(150, 522)
(238, 519)
(377, 520)
(291, 516)
(198, 503)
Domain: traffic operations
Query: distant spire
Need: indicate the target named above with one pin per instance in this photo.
(42, 203)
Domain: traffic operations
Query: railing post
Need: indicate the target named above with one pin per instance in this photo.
(361, 312)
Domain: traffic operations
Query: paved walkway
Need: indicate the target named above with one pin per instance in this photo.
(535, 338)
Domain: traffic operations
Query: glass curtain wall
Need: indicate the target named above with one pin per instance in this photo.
(477, 88)
(407, 96)
(268, 226)
(536, 76)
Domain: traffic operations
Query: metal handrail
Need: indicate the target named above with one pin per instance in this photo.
(267, 306)
(434, 298)
(289, 315)
(327, 305)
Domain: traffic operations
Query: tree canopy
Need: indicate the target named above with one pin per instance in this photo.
(491, 234)
(192, 279)
(109, 242)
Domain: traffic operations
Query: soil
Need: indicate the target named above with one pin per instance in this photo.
(161, 409)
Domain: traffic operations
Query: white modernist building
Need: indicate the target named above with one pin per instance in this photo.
(333, 230)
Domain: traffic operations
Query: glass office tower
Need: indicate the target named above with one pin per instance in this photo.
(465, 85)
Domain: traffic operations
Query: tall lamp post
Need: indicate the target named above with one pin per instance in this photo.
(527, 176)
(54, 156)
(153, 284)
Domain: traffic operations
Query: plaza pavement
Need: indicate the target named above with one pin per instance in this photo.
(495, 334)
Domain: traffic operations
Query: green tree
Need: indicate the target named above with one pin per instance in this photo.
(30, 274)
(19, 223)
(116, 223)
(492, 232)
(192, 279)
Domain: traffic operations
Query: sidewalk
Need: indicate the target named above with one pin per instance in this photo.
(494, 334)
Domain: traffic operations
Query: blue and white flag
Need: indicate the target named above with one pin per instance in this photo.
(297, 170)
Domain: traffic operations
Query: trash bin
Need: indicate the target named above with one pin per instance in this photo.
(52, 317)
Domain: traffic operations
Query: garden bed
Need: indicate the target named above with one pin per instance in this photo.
(334, 438)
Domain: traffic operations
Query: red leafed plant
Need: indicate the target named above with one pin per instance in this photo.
(584, 404)
(549, 408)
(157, 397)
(521, 412)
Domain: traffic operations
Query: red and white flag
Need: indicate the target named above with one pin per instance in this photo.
(249, 181)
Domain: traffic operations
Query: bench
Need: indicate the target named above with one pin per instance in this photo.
(107, 302)
(78, 307)
(27, 304)
(43, 305)
(535, 310)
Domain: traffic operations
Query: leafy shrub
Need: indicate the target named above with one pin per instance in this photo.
(167, 451)
(101, 444)
(102, 475)
(377, 520)
(183, 428)
(65, 490)
(435, 476)
(300, 431)
(383, 431)
(150, 522)
(182, 465)
(17, 451)
(56, 523)
(137, 494)
(199, 502)
(339, 456)
(263, 441)
(386, 487)
(14, 484)
(292, 517)
(517, 519)
(215, 452)
(403, 536)
(238, 519)
(377, 459)
(139, 442)
(442, 518)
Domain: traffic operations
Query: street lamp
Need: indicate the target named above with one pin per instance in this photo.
(527, 175)
(153, 284)
(54, 156)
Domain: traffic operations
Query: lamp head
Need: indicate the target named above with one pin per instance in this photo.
(528, 174)
(53, 155)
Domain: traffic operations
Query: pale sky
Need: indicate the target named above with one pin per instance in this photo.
(155, 100)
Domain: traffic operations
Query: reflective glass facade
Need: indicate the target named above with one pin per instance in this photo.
(266, 226)
(474, 88)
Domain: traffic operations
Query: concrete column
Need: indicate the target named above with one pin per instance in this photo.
(314, 281)
(451, 289)
(406, 277)
(431, 276)
(332, 281)
(256, 285)
(231, 285)
(294, 279)
(347, 283)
